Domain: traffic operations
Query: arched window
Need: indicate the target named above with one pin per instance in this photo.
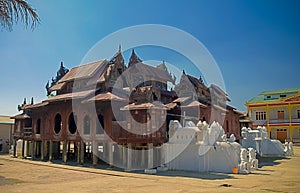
(57, 123)
(38, 126)
(72, 123)
(100, 125)
(86, 125)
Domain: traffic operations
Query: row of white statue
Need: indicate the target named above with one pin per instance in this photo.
(206, 148)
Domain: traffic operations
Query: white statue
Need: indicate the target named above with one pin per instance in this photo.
(173, 127)
(232, 138)
(288, 148)
(189, 124)
(252, 159)
(213, 133)
(291, 148)
(244, 165)
(200, 125)
(204, 133)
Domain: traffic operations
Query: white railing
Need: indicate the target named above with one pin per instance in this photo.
(260, 122)
(279, 121)
(295, 120)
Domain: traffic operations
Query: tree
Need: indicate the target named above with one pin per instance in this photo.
(12, 11)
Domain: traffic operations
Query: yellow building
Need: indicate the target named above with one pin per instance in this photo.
(279, 112)
(6, 129)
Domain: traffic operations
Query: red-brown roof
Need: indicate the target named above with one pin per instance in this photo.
(69, 96)
(37, 105)
(171, 105)
(134, 106)
(107, 96)
(21, 116)
(83, 71)
(194, 104)
(150, 72)
(181, 99)
(57, 86)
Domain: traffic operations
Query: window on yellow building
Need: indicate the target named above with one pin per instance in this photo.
(280, 114)
(298, 112)
(260, 115)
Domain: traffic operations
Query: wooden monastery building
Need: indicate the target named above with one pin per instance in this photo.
(104, 110)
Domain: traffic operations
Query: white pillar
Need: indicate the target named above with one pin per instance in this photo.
(42, 150)
(129, 157)
(150, 155)
(50, 150)
(124, 153)
(95, 153)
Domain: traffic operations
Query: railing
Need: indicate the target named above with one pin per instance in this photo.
(274, 121)
(295, 120)
(259, 122)
(27, 131)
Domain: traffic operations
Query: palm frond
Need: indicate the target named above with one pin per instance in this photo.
(11, 11)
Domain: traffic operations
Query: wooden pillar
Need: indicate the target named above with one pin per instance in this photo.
(42, 150)
(94, 152)
(23, 148)
(64, 153)
(50, 150)
(78, 151)
(150, 155)
(81, 152)
(15, 148)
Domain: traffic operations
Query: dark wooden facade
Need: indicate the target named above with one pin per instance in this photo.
(106, 104)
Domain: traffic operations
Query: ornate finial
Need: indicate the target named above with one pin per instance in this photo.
(120, 48)
(24, 102)
(31, 101)
(201, 80)
(183, 72)
(62, 64)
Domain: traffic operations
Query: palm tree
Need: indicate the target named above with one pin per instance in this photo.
(11, 11)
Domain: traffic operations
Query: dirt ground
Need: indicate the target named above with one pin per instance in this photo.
(274, 175)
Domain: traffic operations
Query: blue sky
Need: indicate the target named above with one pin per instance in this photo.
(256, 44)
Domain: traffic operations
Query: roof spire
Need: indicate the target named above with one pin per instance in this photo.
(120, 48)
(133, 59)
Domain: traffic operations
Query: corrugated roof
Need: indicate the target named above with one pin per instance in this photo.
(6, 120)
(83, 71)
(261, 98)
(69, 96)
(281, 91)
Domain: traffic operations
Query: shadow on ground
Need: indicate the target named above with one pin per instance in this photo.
(270, 161)
(9, 181)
